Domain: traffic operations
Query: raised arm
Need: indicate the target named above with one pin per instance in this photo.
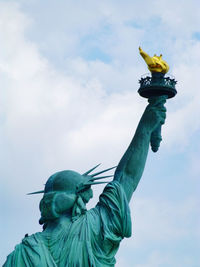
(131, 166)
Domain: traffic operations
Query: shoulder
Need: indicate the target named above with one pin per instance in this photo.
(26, 252)
(114, 193)
(33, 239)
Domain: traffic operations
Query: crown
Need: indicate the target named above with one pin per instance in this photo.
(87, 181)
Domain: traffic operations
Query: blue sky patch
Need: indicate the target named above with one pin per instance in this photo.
(96, 53)
(196, 36)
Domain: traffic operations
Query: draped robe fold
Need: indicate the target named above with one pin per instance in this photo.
(91, 240)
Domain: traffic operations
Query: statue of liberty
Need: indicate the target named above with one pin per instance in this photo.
(73, 236)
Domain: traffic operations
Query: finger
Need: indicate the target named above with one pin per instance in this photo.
(156, 109)
(163, 117)
(162, 122)
(162, 114)
(160, 103)
(157, 100)
(158, 106)
(162, 109)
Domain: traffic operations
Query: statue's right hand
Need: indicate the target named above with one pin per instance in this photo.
(155, 113)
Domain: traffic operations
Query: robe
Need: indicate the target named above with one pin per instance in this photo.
(91, 240)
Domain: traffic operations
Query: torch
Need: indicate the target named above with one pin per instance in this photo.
(155, 85)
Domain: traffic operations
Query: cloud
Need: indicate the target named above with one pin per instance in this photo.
(162, 224)
(40, 104)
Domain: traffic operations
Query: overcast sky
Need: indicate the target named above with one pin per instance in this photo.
(69, 75)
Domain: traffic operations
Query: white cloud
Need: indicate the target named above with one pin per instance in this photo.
(165, 219)
(162, 224)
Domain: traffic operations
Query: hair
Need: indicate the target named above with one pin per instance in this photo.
(54, 204)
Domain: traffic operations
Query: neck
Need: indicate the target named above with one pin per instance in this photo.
(59, 223)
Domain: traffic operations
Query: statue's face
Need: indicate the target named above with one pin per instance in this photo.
(87, 195)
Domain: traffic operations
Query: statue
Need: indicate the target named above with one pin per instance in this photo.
(74, 236)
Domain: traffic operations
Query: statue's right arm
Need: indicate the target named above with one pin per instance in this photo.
(131, 166)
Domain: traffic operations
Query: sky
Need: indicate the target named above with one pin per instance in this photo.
(69, 74)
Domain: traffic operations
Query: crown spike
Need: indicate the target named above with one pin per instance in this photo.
(86, 173)
(102, 177)
(37, 192)
(88, 184)
(91, 183)
(97, 173)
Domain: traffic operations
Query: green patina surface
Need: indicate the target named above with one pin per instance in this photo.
(73, 236)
